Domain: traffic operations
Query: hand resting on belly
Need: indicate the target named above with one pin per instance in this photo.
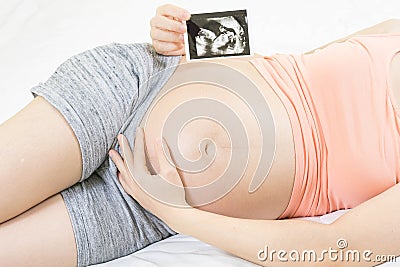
(205, 150)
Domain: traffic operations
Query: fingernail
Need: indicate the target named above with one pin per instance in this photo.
(186, 15)
(110, 153)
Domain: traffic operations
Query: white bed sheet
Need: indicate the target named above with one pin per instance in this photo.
(37, 35)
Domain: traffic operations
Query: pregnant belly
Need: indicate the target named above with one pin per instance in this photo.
(233, 148)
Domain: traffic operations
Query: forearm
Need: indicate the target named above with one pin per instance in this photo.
(363, 228)
(373, 226)
(245, 238)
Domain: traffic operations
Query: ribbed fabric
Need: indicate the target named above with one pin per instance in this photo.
(103, 92)
(346, 129)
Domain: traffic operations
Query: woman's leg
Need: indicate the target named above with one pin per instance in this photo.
(100, 93)
(40, 156)
(41, 236)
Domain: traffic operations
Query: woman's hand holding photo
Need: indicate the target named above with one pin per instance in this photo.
(167, 29)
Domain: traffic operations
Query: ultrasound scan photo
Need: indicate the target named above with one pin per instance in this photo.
(218, 34)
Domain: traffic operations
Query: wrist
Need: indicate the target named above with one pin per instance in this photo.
(179, 219)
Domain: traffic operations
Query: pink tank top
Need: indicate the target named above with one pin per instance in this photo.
(344, 122)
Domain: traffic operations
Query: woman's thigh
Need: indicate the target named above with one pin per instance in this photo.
(41, 236)
(40, 156)
(100, 93)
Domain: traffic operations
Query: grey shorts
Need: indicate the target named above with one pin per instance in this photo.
(102, 92)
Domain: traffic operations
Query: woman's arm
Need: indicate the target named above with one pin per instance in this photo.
(388, 26)
(372, 226)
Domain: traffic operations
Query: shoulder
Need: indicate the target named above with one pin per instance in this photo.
(392, 25)
(387, 26)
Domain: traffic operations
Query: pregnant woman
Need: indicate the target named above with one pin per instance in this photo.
(323, 126)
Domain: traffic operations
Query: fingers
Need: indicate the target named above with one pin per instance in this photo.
(134, 163)
(153, 157)
(173, 11)
(167, 47)
(123, 172)
(165, 36)
(126, 151)
(118, 161)
(168, 24)
(125, 184)
(130, 165)
(167, 167)
(139, 153)
(140, 185)
(175, 53)
(167, 29)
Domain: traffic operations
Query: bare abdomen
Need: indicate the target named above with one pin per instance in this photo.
(232, 158)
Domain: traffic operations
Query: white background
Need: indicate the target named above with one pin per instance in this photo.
(38, 35)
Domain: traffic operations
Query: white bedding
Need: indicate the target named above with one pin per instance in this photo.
(37, 35)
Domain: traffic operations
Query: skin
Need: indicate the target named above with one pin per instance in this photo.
(30, 205)
(40, 157)
(270, 200)
(167, 29)
(247, 236)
